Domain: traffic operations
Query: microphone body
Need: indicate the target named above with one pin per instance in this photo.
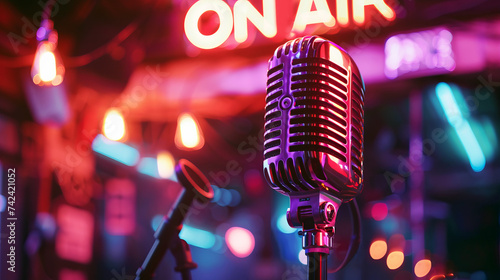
(313, 140)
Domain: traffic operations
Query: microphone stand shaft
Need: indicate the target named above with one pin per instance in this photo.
(164, 234)
(186, 275)
(316, 265)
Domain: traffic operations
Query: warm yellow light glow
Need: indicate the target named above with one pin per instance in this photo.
(305, 16)
(358, 10)
(47, 67)
(193, 15)
(378, 249)
(113, 126)
(395, 259)
(422, 267)
(266, 23)
(342, 12)
(166, 163)
(188, 134)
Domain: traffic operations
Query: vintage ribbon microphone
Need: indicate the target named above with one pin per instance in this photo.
(313, 148)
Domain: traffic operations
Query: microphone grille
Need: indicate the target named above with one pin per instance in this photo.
(357, 127)
(314, 107)
(274, 125)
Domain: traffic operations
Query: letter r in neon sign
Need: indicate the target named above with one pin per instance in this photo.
(358, 7)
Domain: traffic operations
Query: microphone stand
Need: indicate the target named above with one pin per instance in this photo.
(316, 266)
(317, 244)
(183, 259)
(315, 212)
(166, 236)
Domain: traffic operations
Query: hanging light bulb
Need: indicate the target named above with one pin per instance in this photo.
(166, 164)
(47, 69)
(188, 135)
(113, 126)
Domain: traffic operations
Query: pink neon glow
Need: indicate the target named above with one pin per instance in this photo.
(240, 241)
(420, 52)
(75, 235)
(120, 207)
(379, 211)
(69, 274)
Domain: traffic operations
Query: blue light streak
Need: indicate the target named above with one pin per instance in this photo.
(193, 236)
(462, 127)
(149, 166)
(197, 237)
(283, 225)
(117, 151)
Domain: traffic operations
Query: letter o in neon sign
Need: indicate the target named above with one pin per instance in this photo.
(216, 39)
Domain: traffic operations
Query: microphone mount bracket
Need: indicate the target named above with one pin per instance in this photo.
(315, 212)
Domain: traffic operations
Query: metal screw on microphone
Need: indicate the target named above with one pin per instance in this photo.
(286, 103)
(328, 212)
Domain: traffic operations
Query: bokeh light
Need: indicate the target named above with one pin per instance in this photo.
(397, 242)
(240, 241)
(422, 267)
(3, 203)
(113, 126)
(395, 259)
(379, 211)
(378, 249)
(303, 257)
(47, 66)
(166, 163)
(188, 134)
(283, 225)
(156, 221)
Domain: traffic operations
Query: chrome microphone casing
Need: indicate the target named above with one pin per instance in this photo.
(313, 147)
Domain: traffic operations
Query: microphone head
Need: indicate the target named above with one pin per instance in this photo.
(314, 120)
(194, 181)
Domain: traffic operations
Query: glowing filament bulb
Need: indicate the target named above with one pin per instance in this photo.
(188, 134)
(166, 163)
(113, 126)
(47, 67)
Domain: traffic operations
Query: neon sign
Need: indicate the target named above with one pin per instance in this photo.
(309, 12)
(420, 53)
